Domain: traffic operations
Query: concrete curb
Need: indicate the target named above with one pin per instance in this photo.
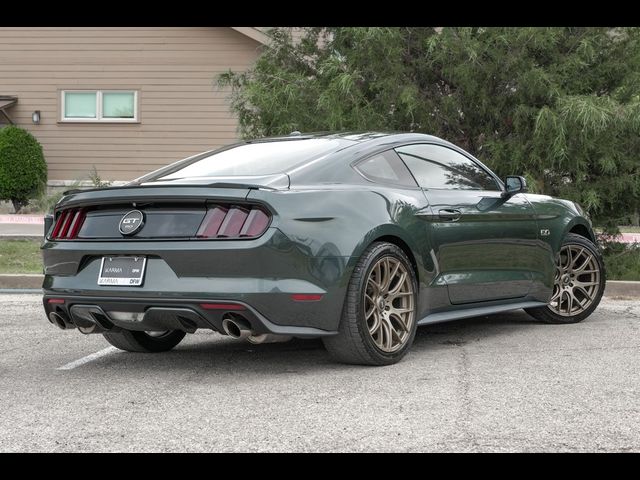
(615, 288)
(621, 288)
(20, 236)
(20, 280)
(19, 291)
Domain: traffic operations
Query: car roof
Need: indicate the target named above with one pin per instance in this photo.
(335, 167)
(329, 166)
(354, 136)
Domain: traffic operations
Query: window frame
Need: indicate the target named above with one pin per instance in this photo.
(466, 155)
(99, 104)
(381, 181)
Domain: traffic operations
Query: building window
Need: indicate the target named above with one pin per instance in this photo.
(99, 106)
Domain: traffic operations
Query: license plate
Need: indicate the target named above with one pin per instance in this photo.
(123, 271)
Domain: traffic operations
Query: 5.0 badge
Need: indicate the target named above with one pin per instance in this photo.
(131, 223)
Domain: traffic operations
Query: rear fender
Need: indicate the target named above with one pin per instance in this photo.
(341, 222)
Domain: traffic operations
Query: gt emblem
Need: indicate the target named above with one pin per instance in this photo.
(131, 222)
(545, 232)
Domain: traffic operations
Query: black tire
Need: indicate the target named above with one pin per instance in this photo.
(132, 341)
(547, 315)
(354, 344)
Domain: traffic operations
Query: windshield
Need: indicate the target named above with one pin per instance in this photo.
(261, 158)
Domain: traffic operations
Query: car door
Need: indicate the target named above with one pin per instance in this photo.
(485, 245)
(406, 205)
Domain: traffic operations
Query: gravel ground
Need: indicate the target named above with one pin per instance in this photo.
(498, 383)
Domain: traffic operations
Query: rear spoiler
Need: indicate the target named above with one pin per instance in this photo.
(278, 181)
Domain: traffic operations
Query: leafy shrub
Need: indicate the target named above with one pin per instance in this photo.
(96, 179)
(46, 201)
(23, 171)
(622, 261)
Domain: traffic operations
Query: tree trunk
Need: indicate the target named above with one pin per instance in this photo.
(18, 204)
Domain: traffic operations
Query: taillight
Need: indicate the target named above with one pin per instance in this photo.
(68, 224)
(234, 221)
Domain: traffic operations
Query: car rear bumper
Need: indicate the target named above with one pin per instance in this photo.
(272, 303)
(101, 314)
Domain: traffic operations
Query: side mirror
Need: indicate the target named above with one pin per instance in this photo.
(514, 184)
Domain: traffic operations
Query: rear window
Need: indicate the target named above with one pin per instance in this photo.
(262, 158)
(386, 167)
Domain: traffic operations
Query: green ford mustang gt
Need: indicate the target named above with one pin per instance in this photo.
(354, 238)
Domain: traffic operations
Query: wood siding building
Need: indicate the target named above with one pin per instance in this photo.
(168, 73)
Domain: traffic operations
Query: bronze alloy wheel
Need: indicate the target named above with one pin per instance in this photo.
(378, 321)
(389, 308)
(577, 281)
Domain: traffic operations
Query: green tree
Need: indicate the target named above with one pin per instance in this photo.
(23, 171)
(559, 105)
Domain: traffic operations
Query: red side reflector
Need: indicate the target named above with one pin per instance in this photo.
(306, 297)
(222, 306)
(56, 300)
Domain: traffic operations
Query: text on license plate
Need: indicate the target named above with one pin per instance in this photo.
(123, 271)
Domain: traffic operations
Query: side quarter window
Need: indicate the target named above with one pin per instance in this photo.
(386, 168)
(439, 167)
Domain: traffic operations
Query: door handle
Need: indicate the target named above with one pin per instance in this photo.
(449, 214)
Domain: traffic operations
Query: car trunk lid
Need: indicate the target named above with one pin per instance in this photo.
(169, 211)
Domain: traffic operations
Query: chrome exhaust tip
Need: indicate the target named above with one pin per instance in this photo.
(236, 327)
(59, 321)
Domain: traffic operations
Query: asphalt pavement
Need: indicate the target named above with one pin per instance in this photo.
(498, 383)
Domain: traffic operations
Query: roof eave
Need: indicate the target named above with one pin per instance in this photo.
(254, 34)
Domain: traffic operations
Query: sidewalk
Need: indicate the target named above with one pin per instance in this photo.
(21, 226)
(629, 238)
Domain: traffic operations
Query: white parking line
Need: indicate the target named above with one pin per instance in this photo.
(88, 358)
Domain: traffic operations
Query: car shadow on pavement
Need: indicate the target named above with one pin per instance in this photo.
(215, 354)
(457, 332)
